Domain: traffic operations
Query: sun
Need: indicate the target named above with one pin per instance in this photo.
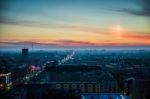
(118, 31)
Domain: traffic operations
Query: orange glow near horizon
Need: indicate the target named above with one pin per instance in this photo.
(74, 35)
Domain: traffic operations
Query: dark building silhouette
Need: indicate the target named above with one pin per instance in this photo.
(25, 52)
(87, 79)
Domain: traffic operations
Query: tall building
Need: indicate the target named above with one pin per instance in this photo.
(25, 52)
(5, 81)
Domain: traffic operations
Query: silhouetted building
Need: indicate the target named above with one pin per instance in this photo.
(89, 79)
(137, 87)
(25, 52)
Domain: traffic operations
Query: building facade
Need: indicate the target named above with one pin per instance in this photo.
(5, 81)
(86, 79)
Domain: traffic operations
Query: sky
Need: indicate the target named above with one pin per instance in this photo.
(63, 23)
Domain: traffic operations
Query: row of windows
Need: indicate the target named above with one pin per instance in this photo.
(82, 87)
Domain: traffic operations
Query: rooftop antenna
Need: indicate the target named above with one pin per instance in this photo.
(32, 46)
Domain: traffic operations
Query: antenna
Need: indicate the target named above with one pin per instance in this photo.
(32, 46)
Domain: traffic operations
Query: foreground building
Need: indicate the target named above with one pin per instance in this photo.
(5, 81)
(104, 96)
(86, 79)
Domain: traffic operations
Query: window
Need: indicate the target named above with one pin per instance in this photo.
(82, 87)
(66, 86)
(90, 88)
(74, 86)
(58, 86)
(97, 88)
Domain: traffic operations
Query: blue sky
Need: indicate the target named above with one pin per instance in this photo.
(60, 21)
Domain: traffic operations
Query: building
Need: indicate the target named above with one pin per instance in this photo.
(87, 79)
(25, 52)
(137, 87)
(5, 81)
(103, 96)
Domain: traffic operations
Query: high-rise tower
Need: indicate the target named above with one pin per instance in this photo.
(25, 52)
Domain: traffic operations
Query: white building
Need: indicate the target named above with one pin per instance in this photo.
(5, 80)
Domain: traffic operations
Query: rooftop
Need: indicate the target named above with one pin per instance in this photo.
(104, 96)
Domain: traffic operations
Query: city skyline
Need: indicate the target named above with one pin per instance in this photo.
(74, 23)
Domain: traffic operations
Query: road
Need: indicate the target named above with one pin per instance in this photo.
(67, 58)
(27, 78)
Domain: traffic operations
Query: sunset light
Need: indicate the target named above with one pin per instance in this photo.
(119, 30)
(74, 49)
(64, 23)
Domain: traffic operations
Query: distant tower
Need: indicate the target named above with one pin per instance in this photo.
(25, 52)
(32, 46)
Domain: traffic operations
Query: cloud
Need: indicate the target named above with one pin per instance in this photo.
(56, 43)
(143, 11)
(135, 12)
(138, 37)
(37, 24)
(25, 43)
(73, 43)
(107, 43)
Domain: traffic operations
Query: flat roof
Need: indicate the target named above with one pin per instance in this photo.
(104, 96)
